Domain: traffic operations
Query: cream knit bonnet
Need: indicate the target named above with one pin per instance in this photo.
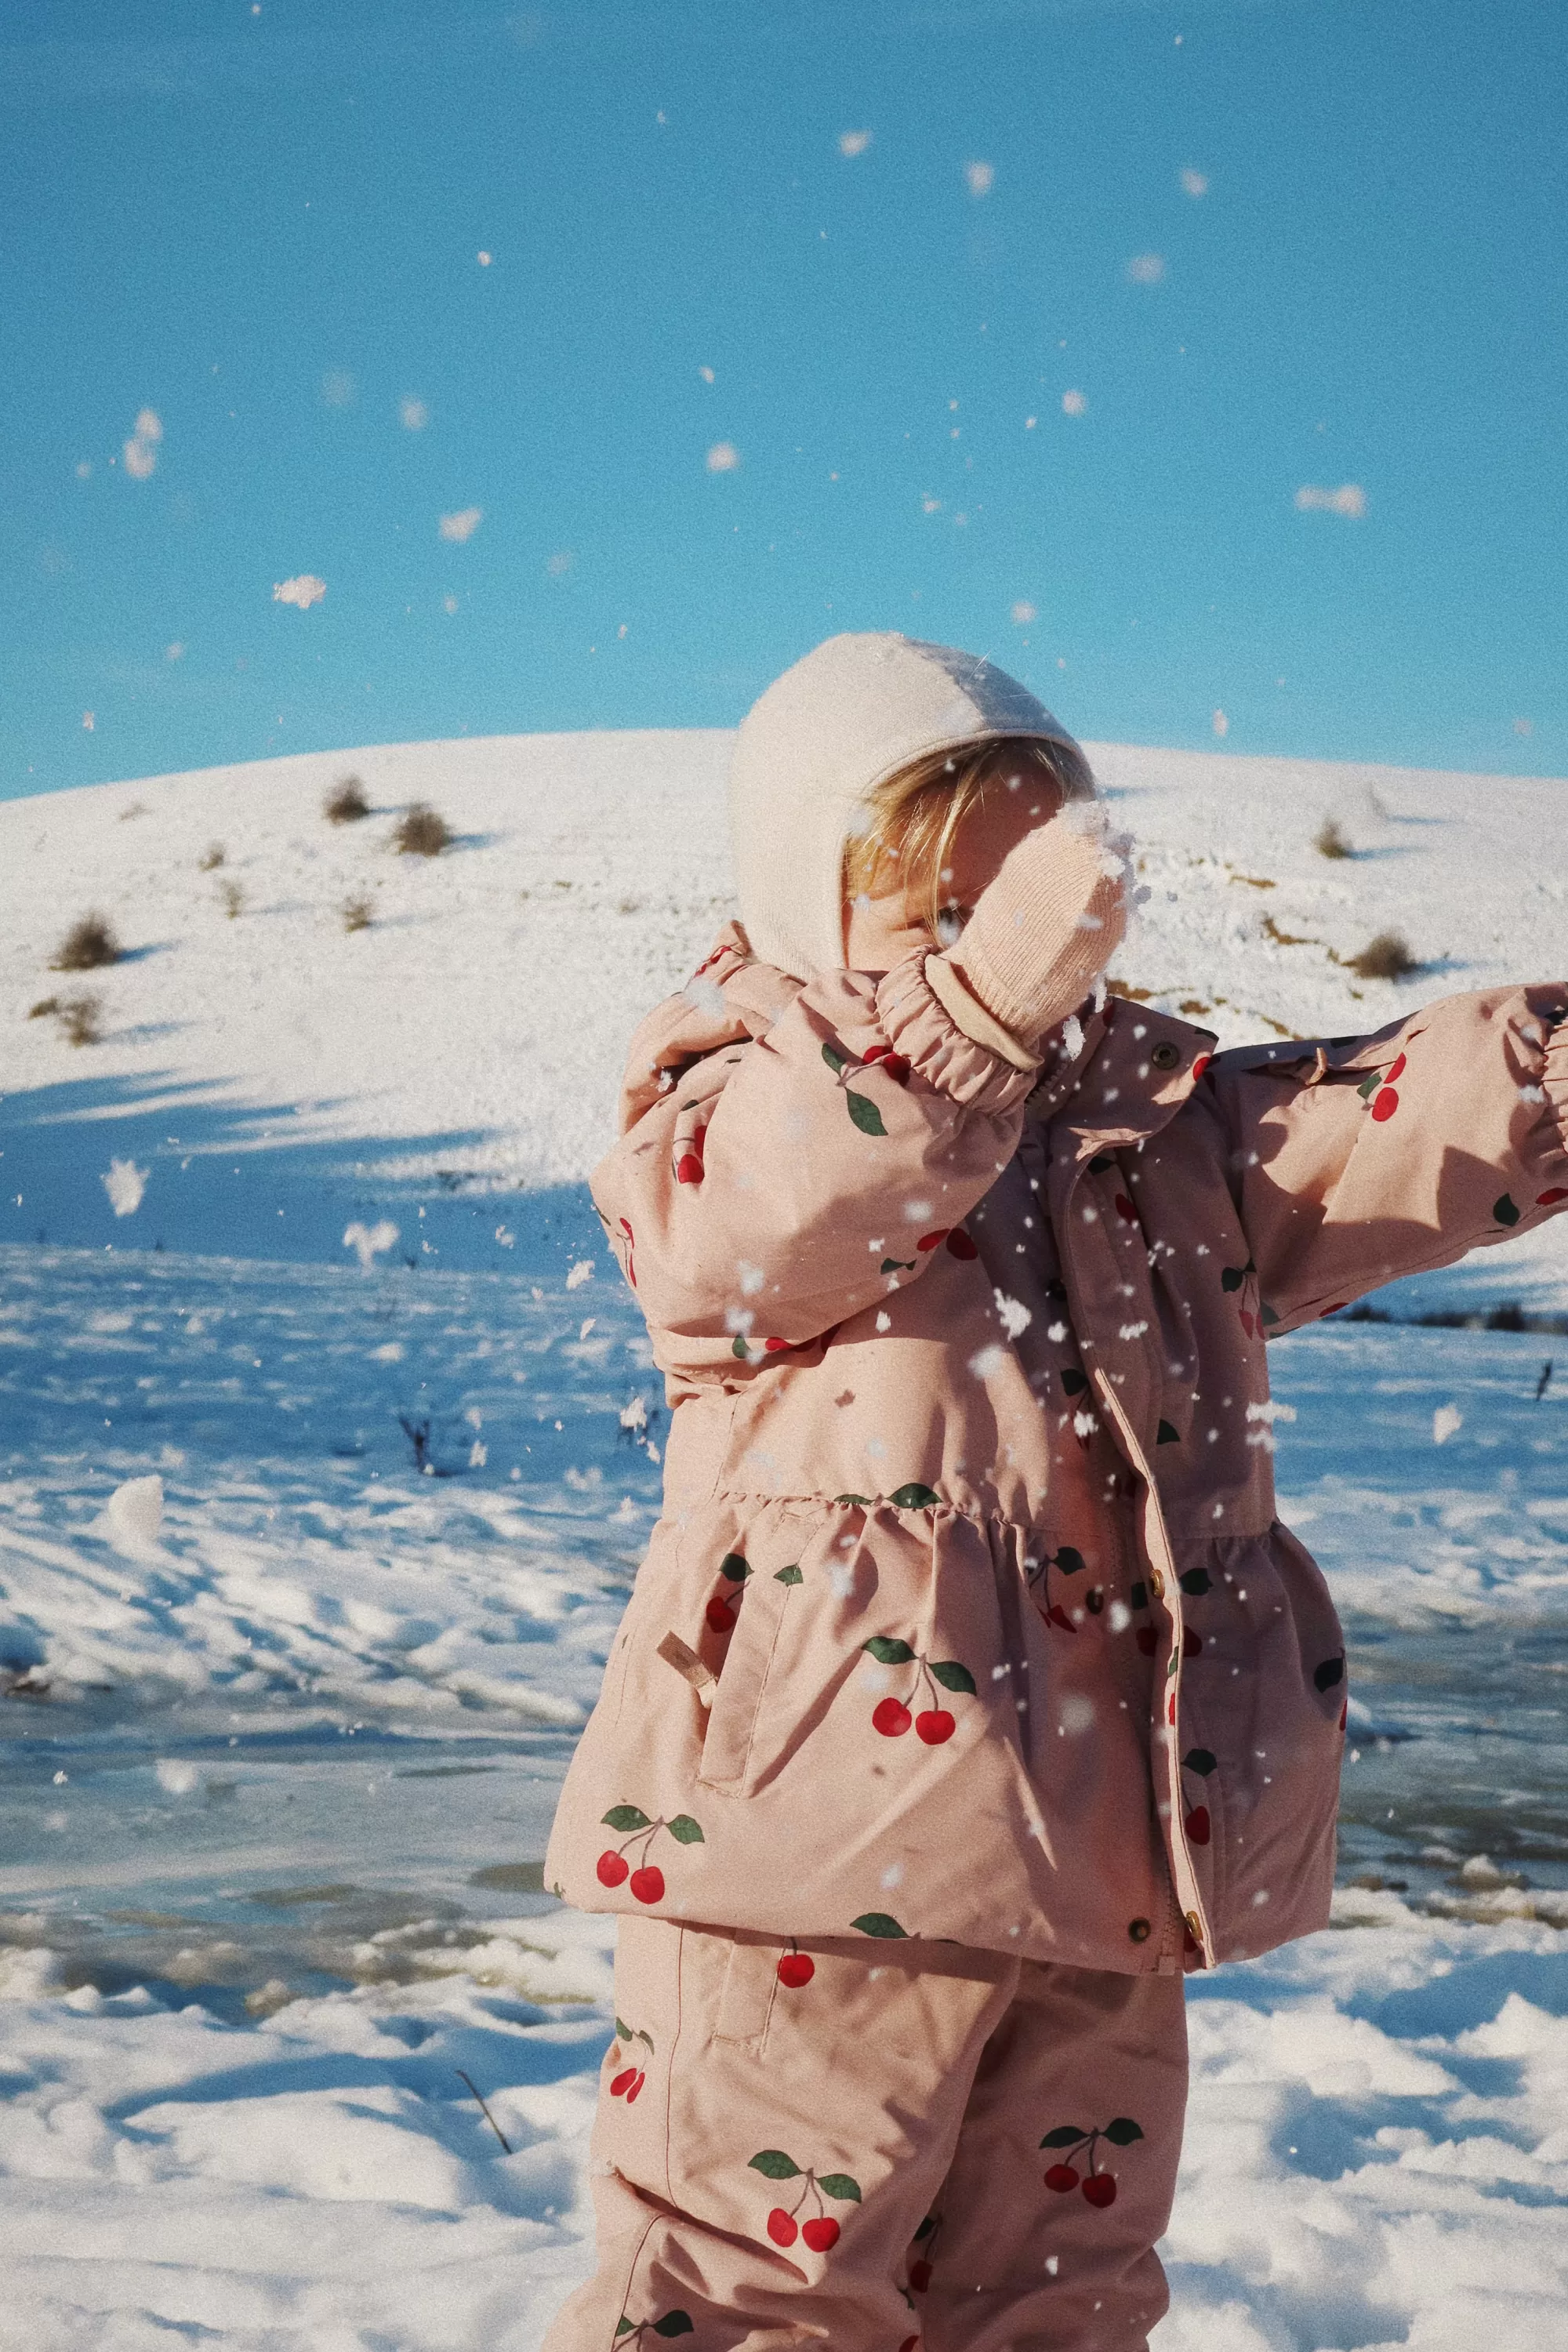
(844, 719)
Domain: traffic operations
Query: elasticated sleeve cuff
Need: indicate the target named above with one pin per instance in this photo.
(971, 1069)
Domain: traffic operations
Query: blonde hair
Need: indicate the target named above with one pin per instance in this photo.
(911, 819)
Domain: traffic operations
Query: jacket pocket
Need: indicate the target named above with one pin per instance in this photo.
(732, 1719)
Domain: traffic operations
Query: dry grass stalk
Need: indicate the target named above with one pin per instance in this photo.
(88, 946)
(346, 802)
(421, 832)
(212, 857)
(1388, 957)
(358, 914)
(1330, 842)
(233, 899)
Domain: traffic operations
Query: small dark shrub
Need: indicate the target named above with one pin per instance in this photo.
(1388, 957)
(45, 1005)
(88, 946)
(80, 1017)
(212, 857)
(233, 899)
(420, 832)
(346, 802)
(357, 914)
(1330, 842)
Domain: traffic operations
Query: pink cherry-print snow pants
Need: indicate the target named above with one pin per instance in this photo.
(879, 2147)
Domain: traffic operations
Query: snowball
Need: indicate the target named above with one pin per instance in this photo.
(579, 1272)
(136, 1510)
(124, 1184)
(175, 1778)
(1445, 1422)
(369, 1241)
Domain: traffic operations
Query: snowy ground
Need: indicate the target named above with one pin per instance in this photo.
(286, 1725)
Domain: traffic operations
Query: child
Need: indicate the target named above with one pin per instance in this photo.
(971, 1691)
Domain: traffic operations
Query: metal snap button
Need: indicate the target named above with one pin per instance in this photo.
(1165, 1055)
(1140, 1930)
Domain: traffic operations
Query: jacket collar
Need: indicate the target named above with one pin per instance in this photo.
(1130, 1083)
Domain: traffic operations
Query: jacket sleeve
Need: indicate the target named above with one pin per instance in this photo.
(1357, 1160)
(787, 1182)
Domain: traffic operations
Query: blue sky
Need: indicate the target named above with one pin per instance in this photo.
(1280, 287)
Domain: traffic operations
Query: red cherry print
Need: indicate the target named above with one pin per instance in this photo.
(1553, 1194)
(1101, 2188)
(1125, 1209)
(1062, 2178)
(1385, 1104)
(622, 2081)
(782, 2228)
(720, 1614)
(612, 1868)
(689, 1169)
(648, 1883)
(1057, 1615)
(821, 2235)
(1396, 1072)
(897, 1066)
(959, 1243)
(1198, 1825)
(774, 1347)
(910, 2343)
(891, 1717)
(1344, 1713)
(1169, 1717)
(636, 2087)
(920, 2275)
(934, 1725)
(1201, 1065)
(1147, 1640)
(1247, 1325)
(933, 1240)
(797, 1968)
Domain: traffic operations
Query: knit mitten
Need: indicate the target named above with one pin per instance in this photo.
(1048, 926)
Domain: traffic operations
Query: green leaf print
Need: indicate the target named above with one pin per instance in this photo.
(887, 1651)
(914, 1498)
(865, 1114)
(788, 1575)
(1122, 2131)
(1073, 1382)
(839, 2185)
(1232, 1277)
(684, 1831)
(835, 1060)
(1070, 1560)
(878, 1923)
(955, 1678)
(1064, 2136)
(622, 2032)
(624, 2326)
(734, 1568)
(1139, 1596)
(1199, 1760)
(1166, 1435)
(739, 1348)
(863, 1500)
(897, 1266)
(1370, 1085)
(674, 2323)
(775, 2165)
(1195, 1580)
(626, 1817)
(1505, 1210)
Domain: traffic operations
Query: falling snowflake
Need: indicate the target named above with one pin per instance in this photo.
(305, 591)
(1447, 1421)
(1015, 1316)
(723, 457)
(980, 178)
(579, 1273)
(140, 452)
(462, 525)
(1349, 500)
(124, 1184)
(368, 1242)
(1195, 183)
(1146, 268)
(1023, 612)
(854, 142)
(414, 413)
(1220, 724)
(1073, 403)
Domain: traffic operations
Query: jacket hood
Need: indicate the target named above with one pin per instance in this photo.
(847, 716)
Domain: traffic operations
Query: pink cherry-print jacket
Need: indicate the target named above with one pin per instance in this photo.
(968, 1614)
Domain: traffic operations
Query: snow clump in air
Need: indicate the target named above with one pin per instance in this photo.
(368, 1242)
(980, 178)
(1146, 268)
(140, 452)
(124, 1184)
(854, 142)
(136, 1510)
(304, 591)
(462, 525)
(1349, 500)
(723, 457)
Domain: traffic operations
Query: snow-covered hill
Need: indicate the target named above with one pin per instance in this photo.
(465, 1042)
